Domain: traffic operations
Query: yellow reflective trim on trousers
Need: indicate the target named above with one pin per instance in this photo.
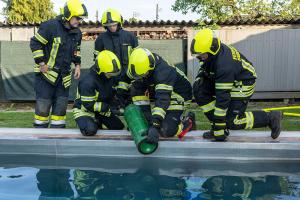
(159, 111)
(58, 118)
(40, 38)
(238, 121)
(249, 67)
(208, 107)
(224, 86)
(219, 133)
(41, 118)
(164, 87)
(53, 53)
(140, 98)
(250, 120)
(220, 112)
(176, 107)
(98, 106)
(80, 113)
(38, 53)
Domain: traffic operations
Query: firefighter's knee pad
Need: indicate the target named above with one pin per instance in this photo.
(42, 110)
(42, 107)
(89, 131)
(170, 127)
(60, 106)
(169, 130)
(87, 126)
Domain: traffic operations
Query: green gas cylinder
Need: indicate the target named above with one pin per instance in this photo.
(138, 127)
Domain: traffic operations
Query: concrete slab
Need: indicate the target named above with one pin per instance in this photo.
(242, 145)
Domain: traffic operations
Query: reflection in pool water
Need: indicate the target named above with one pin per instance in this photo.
(45, 184)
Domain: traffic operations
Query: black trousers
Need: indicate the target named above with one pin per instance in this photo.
(50, 99)
(236, 118)
(88, 125)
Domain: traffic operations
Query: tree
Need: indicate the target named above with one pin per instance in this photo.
(33, 11)
(219, 10)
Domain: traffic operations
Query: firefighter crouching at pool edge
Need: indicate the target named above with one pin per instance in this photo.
(121, 43)
(55, 46)
(92, 107)
(223, 87)
(172, 90)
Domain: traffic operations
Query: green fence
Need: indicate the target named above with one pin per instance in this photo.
(16, 65)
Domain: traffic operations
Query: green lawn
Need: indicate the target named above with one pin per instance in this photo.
(25, 119)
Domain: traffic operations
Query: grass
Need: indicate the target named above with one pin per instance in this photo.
(24, 119)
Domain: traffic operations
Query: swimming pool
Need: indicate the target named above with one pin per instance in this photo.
(61, 164)
(46, 177)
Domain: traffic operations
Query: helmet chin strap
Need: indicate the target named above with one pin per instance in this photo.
(67, 24)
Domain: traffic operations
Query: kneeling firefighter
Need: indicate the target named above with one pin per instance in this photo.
(55, 46)
(95, 94)
(172, 91)
(223, 87)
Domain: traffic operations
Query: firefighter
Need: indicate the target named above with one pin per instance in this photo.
(55, 46)
(223, 87)
(119, 41)
(172, 92)
(92, 107)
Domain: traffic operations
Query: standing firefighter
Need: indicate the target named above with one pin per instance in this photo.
(223, 87)
(172, 90)
(55, 46)
(92, 108)
(119, 41)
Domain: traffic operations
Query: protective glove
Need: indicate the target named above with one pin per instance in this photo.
(153, 135)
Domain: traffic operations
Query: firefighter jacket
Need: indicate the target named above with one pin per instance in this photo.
(172, 90)
(58, 47)
(94, 95)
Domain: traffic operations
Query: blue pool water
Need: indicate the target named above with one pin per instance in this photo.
(146, 179)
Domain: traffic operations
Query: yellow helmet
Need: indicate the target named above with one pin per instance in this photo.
(141, 61)
(205, 41)
(110, 17)
(74, 8)
(108, 63)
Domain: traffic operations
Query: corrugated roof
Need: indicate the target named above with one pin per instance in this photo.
(190, 23)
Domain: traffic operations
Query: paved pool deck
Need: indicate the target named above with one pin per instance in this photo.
(241, 145)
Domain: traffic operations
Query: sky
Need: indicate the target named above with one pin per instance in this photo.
(144, 8)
